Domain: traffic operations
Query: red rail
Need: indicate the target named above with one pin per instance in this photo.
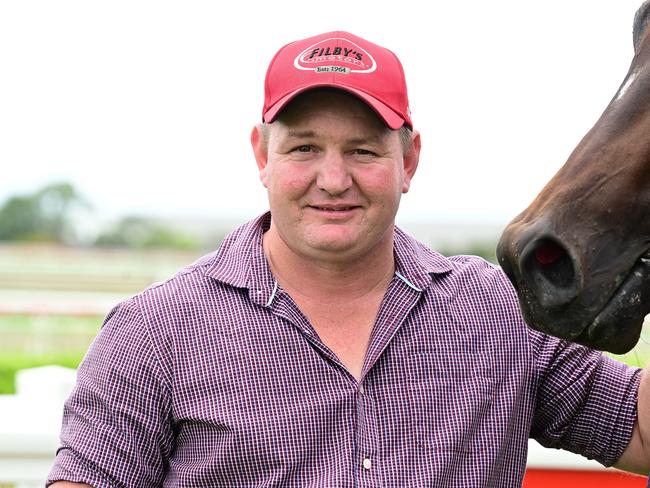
(580, 478)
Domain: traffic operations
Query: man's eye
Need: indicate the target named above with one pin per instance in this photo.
(303, 149)
(363, 152)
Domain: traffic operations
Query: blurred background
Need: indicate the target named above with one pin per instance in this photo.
(124, 132)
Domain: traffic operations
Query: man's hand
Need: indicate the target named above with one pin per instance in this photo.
(636, 457)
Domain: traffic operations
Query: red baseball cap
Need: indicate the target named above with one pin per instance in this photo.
(338, 60)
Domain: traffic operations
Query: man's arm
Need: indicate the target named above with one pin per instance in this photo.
(636, 457)
(116, 428)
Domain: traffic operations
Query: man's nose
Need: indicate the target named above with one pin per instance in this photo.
(333, 174)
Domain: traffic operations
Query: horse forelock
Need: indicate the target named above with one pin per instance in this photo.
(641, 19)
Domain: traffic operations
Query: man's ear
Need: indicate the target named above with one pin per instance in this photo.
(260, 150)
(411, 160)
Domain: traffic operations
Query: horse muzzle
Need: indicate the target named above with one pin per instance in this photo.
(562, 293)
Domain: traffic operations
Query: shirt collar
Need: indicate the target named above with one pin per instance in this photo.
(415, 263)
(240, 261)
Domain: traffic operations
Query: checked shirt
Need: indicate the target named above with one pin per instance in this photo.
(215, 378)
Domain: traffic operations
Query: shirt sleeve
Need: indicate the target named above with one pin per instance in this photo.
(586, 401)
(116, 423)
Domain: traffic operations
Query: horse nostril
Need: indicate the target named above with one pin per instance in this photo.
(550, 264)
(548, 253)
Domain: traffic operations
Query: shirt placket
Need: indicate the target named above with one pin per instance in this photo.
(366, 466)
(400, 299)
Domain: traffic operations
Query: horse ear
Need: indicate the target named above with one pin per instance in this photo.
(641, 19)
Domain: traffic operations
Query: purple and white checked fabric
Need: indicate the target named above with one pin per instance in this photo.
(215, 378)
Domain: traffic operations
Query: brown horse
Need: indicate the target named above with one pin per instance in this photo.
(579, 255)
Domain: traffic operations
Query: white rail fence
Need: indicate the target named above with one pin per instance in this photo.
(29, 424)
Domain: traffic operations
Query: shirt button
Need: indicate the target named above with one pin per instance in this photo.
(361, 388)
(367, 463)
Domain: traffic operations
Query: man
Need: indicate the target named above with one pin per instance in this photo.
(322, 346)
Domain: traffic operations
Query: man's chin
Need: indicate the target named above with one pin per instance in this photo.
(351, 244)
(336, 247)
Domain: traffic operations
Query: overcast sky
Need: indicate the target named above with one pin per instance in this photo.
(147, 106)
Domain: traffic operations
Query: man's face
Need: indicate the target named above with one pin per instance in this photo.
(335, 174)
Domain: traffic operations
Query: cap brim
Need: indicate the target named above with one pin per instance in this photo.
(390, 118)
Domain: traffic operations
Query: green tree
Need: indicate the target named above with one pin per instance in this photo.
(45, 215)
(138, 232)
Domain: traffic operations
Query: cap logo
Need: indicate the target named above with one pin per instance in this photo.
(335, 55)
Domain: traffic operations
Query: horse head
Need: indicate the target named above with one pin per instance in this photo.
(579, 255)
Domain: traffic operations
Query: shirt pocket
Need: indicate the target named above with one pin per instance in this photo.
(451, 402)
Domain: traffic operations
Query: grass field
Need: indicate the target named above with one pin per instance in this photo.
(53, 298)
(30, 341)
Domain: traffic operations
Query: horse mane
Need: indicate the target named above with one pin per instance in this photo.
(641, 19)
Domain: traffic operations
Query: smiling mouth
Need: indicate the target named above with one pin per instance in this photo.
(333, 209)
